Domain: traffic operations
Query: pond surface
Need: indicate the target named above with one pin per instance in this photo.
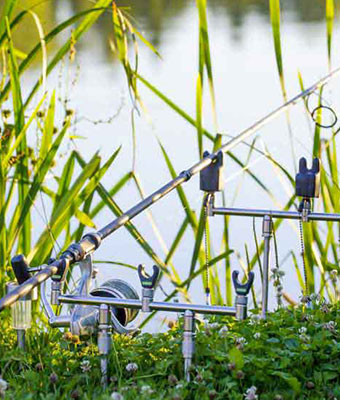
(247, 88)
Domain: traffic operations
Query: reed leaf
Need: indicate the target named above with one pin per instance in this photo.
(274, 6)
(199, 116)
(7, 11)
(46, 140)
(329, 23)
(204, 55)
(177, 240)
(21, 170)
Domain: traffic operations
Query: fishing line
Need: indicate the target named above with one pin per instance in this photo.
(313, 113)
(44, 218)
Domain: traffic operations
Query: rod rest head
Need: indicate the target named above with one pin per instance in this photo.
(307, 181)
(211, 177)
(148, 282)
(242, 289)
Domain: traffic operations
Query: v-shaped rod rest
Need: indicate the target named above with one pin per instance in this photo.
(242, 289)
(148, 282)
(148, 285)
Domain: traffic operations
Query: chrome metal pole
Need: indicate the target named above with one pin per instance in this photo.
(21, 336)
(188, 345)
(104, 341)
(244, 212)
(154, 306)
(267, 230)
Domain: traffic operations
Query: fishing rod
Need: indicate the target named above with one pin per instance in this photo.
(91, 241)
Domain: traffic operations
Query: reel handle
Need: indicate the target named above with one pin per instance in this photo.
(148, 282)
(242, 289)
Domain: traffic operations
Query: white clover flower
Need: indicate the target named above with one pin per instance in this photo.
(3, 384)
(250, 393)
(315, 297)
(85, 366)
(253, 319)
(3, 387)
(131, 367)
(330, 326)
(257, 335)
(146, 389)
(304, 338)
(240, 343)
(179, 386)
(213, 325)
(223, 331)
(116, 396)
(333, 273)
(302, 330)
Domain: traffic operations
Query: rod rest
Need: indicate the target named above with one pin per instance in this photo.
(242, 288)
(242, 291)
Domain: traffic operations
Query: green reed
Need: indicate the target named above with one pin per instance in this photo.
(77, 193)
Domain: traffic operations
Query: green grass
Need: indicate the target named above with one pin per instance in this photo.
(293, 355)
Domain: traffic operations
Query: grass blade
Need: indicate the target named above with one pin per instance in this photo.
(19, 122)
(329, 22)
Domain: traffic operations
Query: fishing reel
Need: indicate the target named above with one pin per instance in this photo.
(83, 320)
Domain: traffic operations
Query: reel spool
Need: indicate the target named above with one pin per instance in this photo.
(122, 290)
(84, 319)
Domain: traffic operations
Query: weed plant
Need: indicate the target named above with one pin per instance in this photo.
(291, 355)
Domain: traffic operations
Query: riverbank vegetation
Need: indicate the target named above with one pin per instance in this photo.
(292, 355)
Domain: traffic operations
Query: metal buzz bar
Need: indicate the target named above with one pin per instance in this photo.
(115, 304)
(92, 241)
(147, 305)
(307, 184)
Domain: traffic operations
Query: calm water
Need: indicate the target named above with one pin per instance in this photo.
(247, 88)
